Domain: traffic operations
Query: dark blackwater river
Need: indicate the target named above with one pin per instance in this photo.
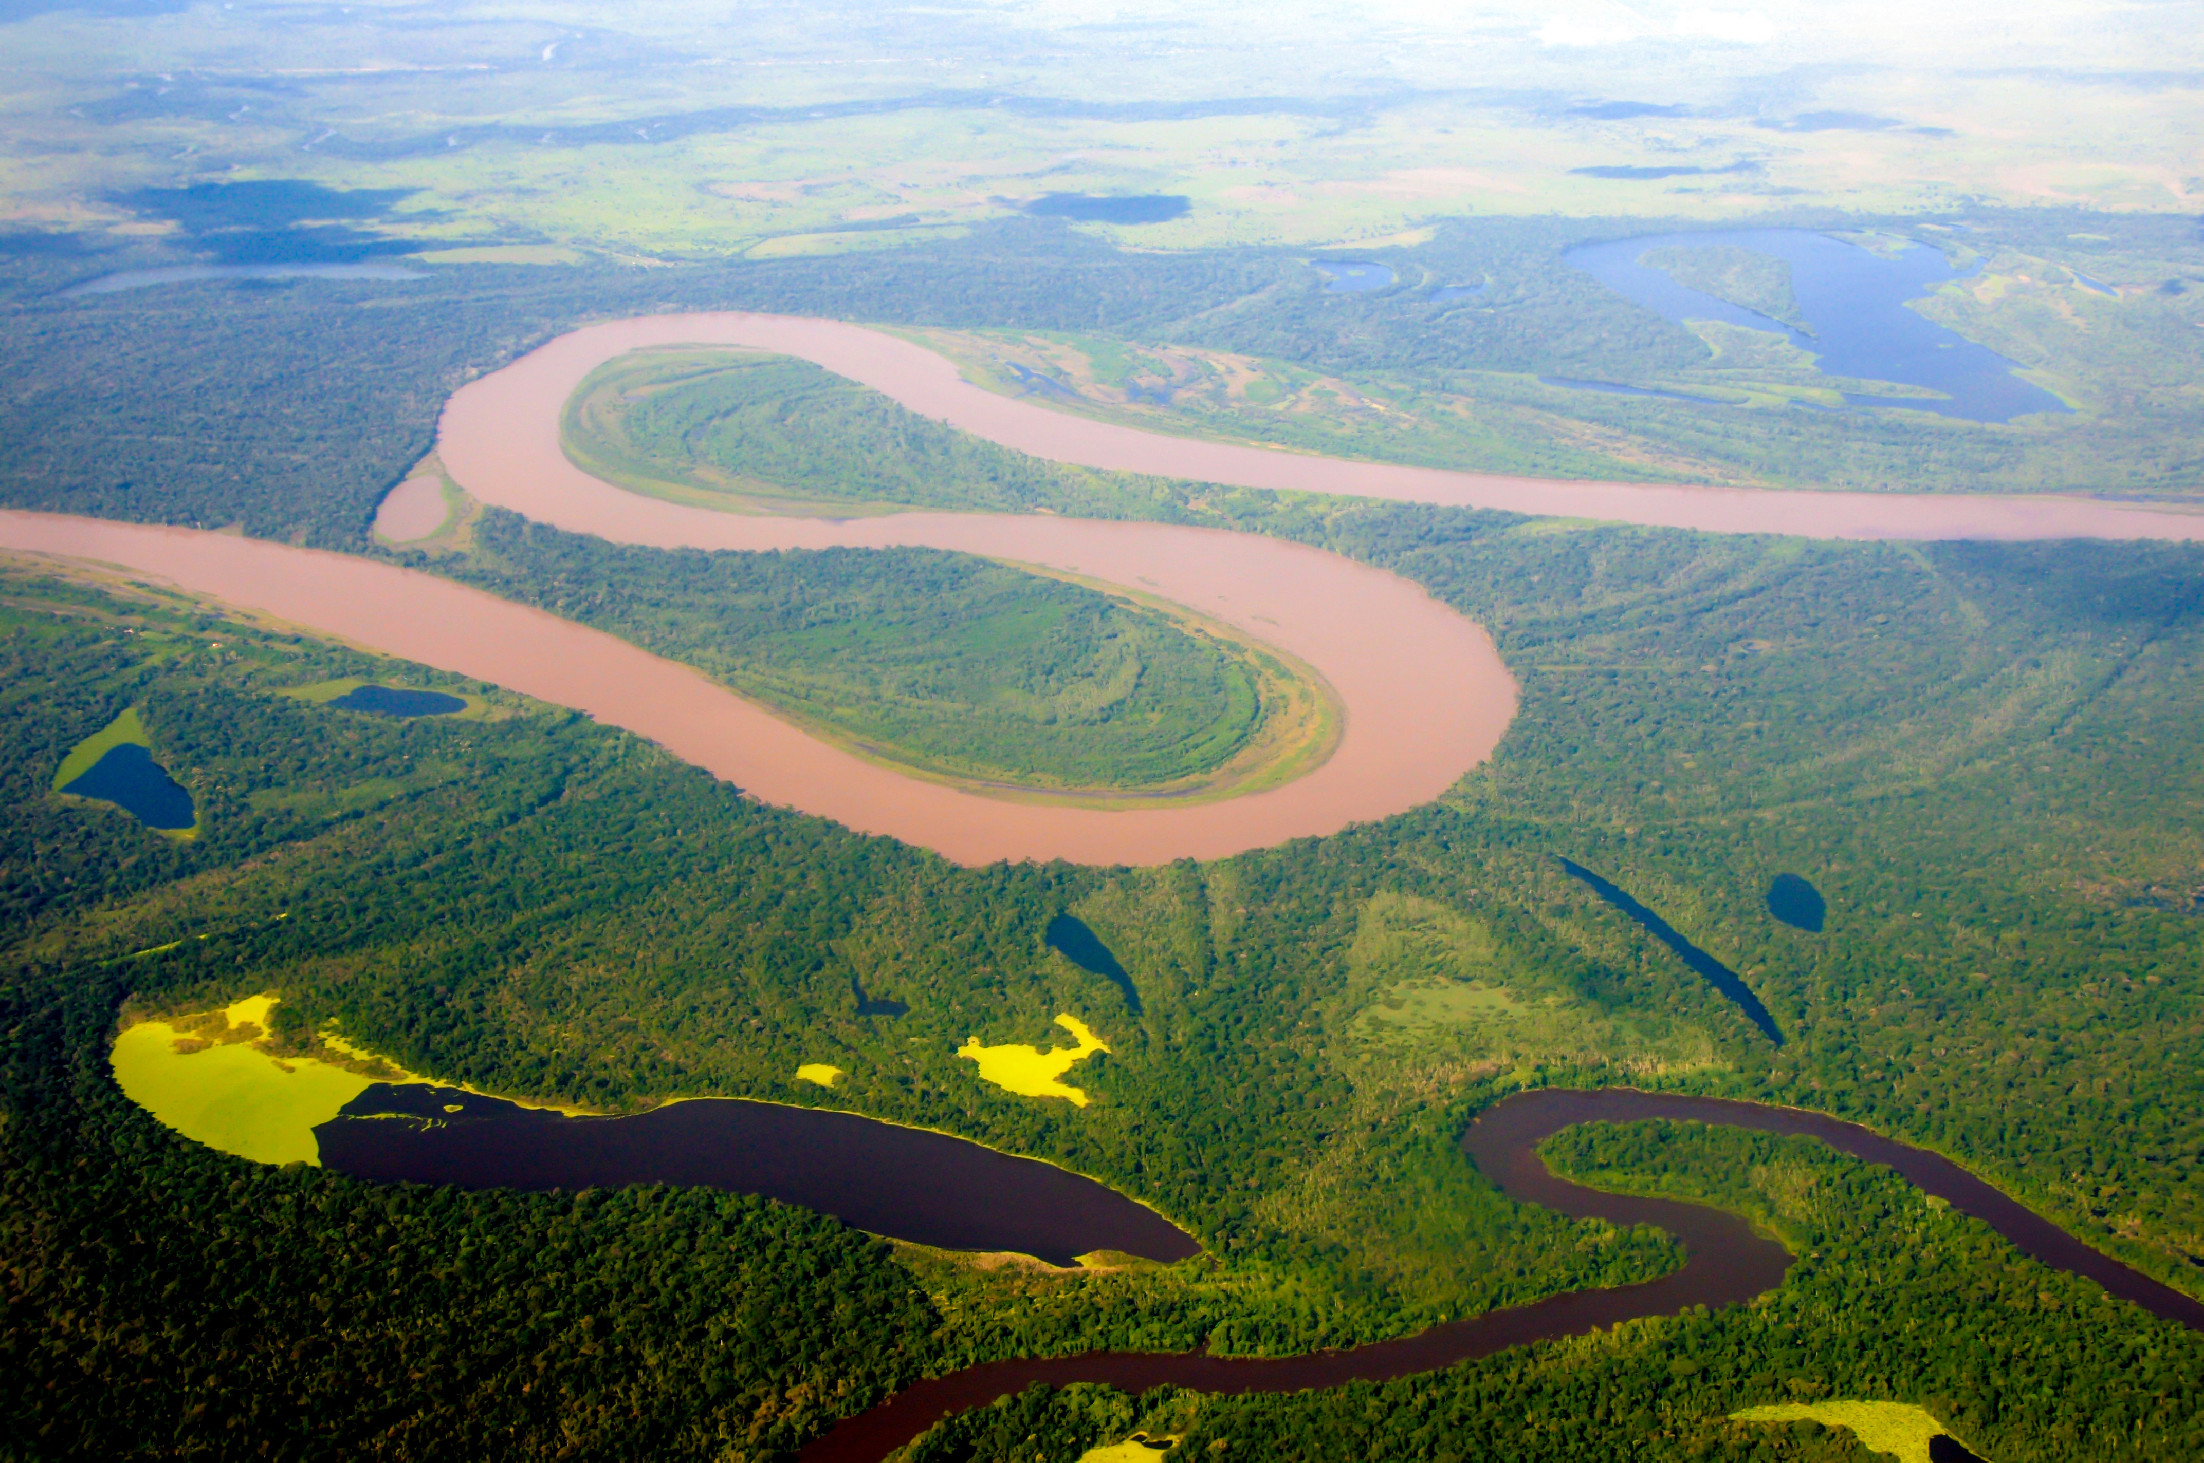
(1725, 1264)
(906, 1183)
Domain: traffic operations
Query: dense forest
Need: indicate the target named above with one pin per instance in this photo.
(1977, 753)
(573, 886)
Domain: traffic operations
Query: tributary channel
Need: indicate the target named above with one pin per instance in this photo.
(1725, 1264)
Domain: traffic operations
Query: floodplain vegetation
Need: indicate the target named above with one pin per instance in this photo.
(986, 675)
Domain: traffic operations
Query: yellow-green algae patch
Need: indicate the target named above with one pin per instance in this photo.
(1897, 1428)
(1031, 1072)
(1139, 1448)
(125, 730)
(820, 1072)
(212, 1083)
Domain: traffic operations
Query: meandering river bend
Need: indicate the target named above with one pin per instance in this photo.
(1725, 1263)
(1425, 693)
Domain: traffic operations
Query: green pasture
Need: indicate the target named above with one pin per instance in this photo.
(1030, 1072)
(1899, 1429)
(126, 730)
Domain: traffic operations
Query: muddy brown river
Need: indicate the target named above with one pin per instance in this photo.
(1426, 696)
(513, 413)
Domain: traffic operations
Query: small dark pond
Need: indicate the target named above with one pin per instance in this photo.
(1856, 302)
(1080, 945)
(1944, 1448)
(1111, 208)
(905, 1183)
(128, 777)
(387, 701)
(875, 1005)
(1344, 278)
(1033, 381)
(138, 279)
(1718, 975)
(1797, 903)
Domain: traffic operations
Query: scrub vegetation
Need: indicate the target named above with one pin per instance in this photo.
(1754, 281)
(762, 433)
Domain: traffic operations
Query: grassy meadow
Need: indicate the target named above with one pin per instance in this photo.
(205, 1077)
(126, 730)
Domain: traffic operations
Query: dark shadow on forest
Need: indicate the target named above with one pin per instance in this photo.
(1718, 975)
(276, 220)
(1072, 939)
(1797, 903)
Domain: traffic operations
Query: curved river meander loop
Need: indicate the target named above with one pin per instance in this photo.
(1726, 1263)
(1425, 694)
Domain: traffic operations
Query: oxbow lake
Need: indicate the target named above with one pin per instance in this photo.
(906, 1183)
(1856, 302)
(1343, 277)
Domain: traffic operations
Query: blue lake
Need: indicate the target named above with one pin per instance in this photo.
(1856, 303)
(138, 279)
(387, 701)
(128, 777)
(1343, 278)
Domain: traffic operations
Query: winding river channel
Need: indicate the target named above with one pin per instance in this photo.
(1725, 1263)
(1426, 697)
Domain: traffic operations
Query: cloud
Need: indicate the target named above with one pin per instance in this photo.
(1741, 27)
(1564, 31)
